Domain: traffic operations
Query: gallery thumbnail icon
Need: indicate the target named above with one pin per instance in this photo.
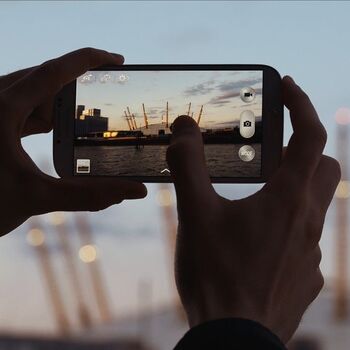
(83, 166)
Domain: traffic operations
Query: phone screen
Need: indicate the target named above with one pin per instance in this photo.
(123, 120)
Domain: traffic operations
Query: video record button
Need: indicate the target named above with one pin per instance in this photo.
(247, 94)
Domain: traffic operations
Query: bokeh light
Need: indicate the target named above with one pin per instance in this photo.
(88, 253)
(343, 190)
(164, 198)
(342, 115)
(57, 218)
(35, 237)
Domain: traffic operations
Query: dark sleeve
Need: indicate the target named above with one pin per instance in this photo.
(230, 334)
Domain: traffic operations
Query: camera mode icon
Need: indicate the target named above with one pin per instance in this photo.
(247, 124)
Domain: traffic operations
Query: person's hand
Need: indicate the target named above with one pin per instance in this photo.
(41, 118)
(256, 258)
(26, 108)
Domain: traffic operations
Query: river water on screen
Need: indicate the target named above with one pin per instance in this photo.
(222, 160)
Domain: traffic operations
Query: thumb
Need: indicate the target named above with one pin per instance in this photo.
(186, 160)
(86, 194)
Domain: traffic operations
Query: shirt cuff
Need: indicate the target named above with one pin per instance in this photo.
(230, 333)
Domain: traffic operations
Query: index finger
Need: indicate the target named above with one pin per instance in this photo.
(186, 160)
(48, 78)
(309, 136)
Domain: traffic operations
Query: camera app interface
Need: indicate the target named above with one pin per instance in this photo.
(124, 119)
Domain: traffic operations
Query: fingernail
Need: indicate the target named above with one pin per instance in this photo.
(140, 191)
(118, 57)
(182, 123)
(288, 77)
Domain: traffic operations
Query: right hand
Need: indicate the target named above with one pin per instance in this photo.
(255, 258)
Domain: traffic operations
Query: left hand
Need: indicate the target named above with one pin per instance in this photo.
(40, 120)
(26, 108)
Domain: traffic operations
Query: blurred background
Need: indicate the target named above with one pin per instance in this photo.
(105, 280)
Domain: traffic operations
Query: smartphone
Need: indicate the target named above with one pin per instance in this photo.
(117, 121)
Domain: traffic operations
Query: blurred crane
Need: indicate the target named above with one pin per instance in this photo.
(128, 121)
(166, 201)
(64, 236)
(132, 119)
(342, 194)
(200, 115)
(86, 239)
(167, 115)
(36, 238)
(145, 115)
(189, 109)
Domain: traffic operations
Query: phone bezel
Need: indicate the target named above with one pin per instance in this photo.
(272, 121)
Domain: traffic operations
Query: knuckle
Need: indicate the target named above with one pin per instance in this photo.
(303, 96)
(50, 68)
(312, 237)
(332, 167)
(319, 283)
(335, 168)
(313, 232)
(92, 55)
(321, 135)
(47, 67)
(317, 257)
(88, 50)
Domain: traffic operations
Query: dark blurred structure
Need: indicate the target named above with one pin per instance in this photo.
(79, 111)
(21, 343)
(89, 120)
(305, 343)
(342, 196)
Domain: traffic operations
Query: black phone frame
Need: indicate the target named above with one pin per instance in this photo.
(272, 121)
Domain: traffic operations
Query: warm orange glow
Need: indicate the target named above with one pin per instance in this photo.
(88, 253)
(108, 134)
(164, 197)
(342, 116)
(343, 190)
(35, 237)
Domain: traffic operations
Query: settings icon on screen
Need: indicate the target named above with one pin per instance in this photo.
(123, 78)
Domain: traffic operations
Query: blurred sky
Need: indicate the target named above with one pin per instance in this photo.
(217, 92)
(308, 40)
